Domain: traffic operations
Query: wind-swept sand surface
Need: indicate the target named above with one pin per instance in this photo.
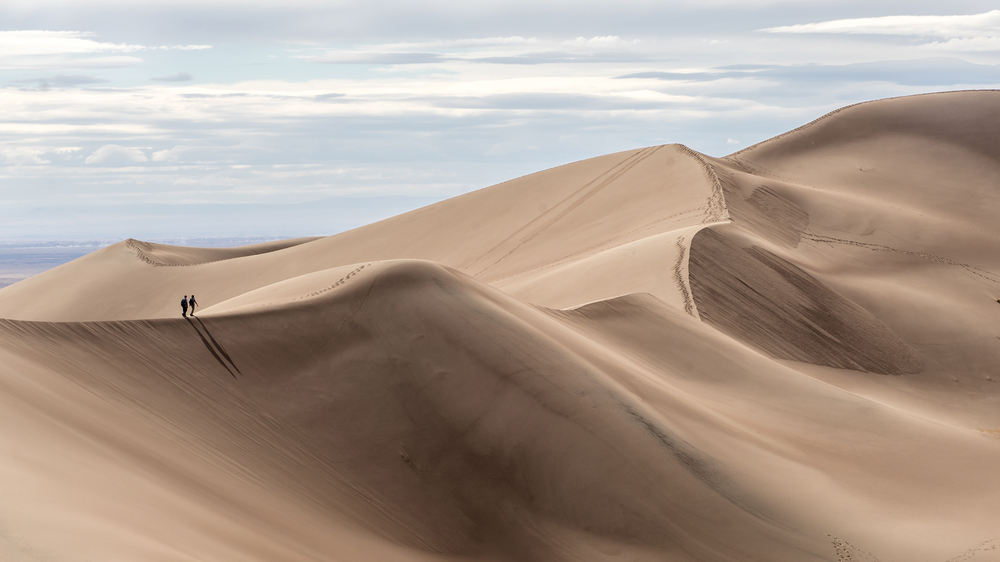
(790, 353)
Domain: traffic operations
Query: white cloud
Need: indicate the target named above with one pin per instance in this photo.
(43, 49)
(969, 45)
(112, 154)
(490, 50)
(24, 156)
(599, 41)
(977, 25)
(170, 155)
(39, 42)
(732, 141)
(185, 47)
(67, 62)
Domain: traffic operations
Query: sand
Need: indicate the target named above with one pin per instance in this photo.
(789, 353)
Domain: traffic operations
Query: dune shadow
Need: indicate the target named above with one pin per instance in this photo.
(217, 345)
(213, 346)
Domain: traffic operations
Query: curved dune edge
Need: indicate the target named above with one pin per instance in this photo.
(762, 299)
(833, 113)
(165, 255)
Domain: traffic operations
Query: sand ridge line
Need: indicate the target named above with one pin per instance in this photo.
(985, 274)
(135, 246)
(716, 205)
(609, 177)
(846, 107)
(592, 250)
(847, 552)
(679, 278)
(338, 283)
(991, 544)
(758, 171)
(132, 244)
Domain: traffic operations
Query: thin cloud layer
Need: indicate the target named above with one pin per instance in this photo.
(969, 33)
(61, 81)
(40, 49)
(112, 154)
(976, 25)
(179, 77)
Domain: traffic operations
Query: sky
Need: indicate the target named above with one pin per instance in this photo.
(163, 119)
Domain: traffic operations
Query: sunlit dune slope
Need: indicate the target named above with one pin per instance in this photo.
(789, 353)
(538, 226)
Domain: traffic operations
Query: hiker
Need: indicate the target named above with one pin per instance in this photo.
(191, 303)
(184, 307)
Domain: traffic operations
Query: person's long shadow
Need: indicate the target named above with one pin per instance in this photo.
(214, 347)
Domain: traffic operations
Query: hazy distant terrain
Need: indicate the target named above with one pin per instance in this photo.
(37, 239)
(21, 260)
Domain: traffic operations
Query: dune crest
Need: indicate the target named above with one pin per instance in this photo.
(165, 255)
(648, 355)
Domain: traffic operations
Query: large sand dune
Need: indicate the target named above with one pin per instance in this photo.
(789, 353)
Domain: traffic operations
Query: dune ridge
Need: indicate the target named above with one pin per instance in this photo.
(788, 353)
(165, 255)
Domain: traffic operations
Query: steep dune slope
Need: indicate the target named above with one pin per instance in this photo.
(786, 354)
(886, 205)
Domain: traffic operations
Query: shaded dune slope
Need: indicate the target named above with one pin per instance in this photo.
(857, 204)
(648, 355)
(763, 299)
(415, 411)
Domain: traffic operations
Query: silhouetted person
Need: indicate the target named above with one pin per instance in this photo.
(184, 307)
(191, 303)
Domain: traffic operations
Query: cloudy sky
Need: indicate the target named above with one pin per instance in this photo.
(120, 118)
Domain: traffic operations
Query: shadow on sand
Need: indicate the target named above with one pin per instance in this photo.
(212, 345)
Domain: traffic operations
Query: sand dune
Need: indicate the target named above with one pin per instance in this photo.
(789, 353)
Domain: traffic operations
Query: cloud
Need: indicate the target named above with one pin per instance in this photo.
(600, 40)
(351, 57)
(461, 43)
(114, 155)
(38, 42)
(560, 57)
(171, 155)
(977, 25)
(24, 156)
(38, 49)
(491, 50)
(179, 77)
(185, 47)
(917, 72)
(61, 81)
(969, 45)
